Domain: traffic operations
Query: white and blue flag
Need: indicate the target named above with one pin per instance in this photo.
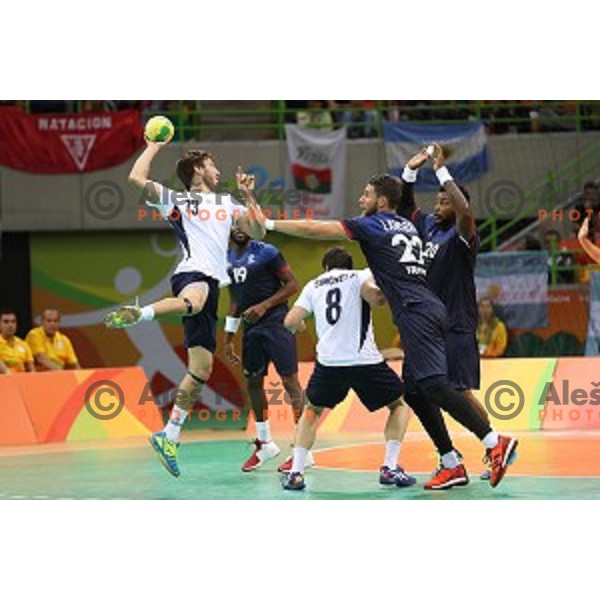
(592, 343)
(517, 285)
(467, 145)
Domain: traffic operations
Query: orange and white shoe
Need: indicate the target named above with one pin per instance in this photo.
(263, 451)
(286, 466)
(444, 479)
(500, 456)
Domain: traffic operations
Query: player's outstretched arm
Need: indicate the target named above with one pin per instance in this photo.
(409, 176)
(591, 249)
(465, 222)
(140, 172)
(3, 368)
(322, 230)
(294, 320)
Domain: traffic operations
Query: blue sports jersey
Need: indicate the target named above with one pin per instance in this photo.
(450, 261)
(255, 277)
(394, 252)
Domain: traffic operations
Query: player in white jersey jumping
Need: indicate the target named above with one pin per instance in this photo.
(202, 220)
(347, 358)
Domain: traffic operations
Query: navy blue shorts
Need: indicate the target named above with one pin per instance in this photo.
(422, 327)
(270, 342)
(199, 329)
(375, 385)
(462, 354)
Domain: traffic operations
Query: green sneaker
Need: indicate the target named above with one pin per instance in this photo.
(167, 452)
(126, 316)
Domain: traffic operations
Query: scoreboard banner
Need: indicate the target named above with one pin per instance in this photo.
(68, 143)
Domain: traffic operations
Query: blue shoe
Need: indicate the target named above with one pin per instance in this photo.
(167, 452)
(395, 477)
(293, 481)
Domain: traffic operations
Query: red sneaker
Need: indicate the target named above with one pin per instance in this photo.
(286, 466)
(263, 451)
(499, 457)
(444, 479)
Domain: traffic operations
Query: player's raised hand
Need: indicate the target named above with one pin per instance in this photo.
(158, 145)
(584, 230)
(243, 180)
(438, 156)
(418, 160)
(230, 354)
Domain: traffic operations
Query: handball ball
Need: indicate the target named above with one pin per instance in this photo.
(159, 129)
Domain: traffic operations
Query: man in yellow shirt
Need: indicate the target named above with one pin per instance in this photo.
(15, 354)
(52, 350)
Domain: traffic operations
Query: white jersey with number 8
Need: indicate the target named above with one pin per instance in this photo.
(343, 318)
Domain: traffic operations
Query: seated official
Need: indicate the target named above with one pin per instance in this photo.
(492, 336)
(15, 354)
(52, 350)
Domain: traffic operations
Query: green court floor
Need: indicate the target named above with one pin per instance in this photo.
(211, 470)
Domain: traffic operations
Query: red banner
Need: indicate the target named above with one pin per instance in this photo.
(69, 143)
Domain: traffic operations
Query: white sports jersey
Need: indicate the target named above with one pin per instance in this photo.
(343, 318)
(202, 223)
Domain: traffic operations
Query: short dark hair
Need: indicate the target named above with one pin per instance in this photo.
(388, 186)
(590, 184)
(462, 188)
(188, 162)
(7, 311)
(337, 258)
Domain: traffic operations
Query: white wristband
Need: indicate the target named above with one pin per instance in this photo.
(269, 224)
(443, 175)
(231, 324)
(409, 175)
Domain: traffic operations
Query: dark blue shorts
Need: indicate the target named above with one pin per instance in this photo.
(375, 385)
(422, 327)
(199, 329)
(462, 354)
(270, 342)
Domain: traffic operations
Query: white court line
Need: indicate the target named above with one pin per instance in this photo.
(357, 445)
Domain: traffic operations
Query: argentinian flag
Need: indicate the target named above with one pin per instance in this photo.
(467, 145)
(517, 284)
(592, 343)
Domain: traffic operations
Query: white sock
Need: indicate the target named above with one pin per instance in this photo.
(176, 420)
(392, 450)
(147, 313)
(263, 431)
(298, 459)
(490, 440)
(450, 460)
